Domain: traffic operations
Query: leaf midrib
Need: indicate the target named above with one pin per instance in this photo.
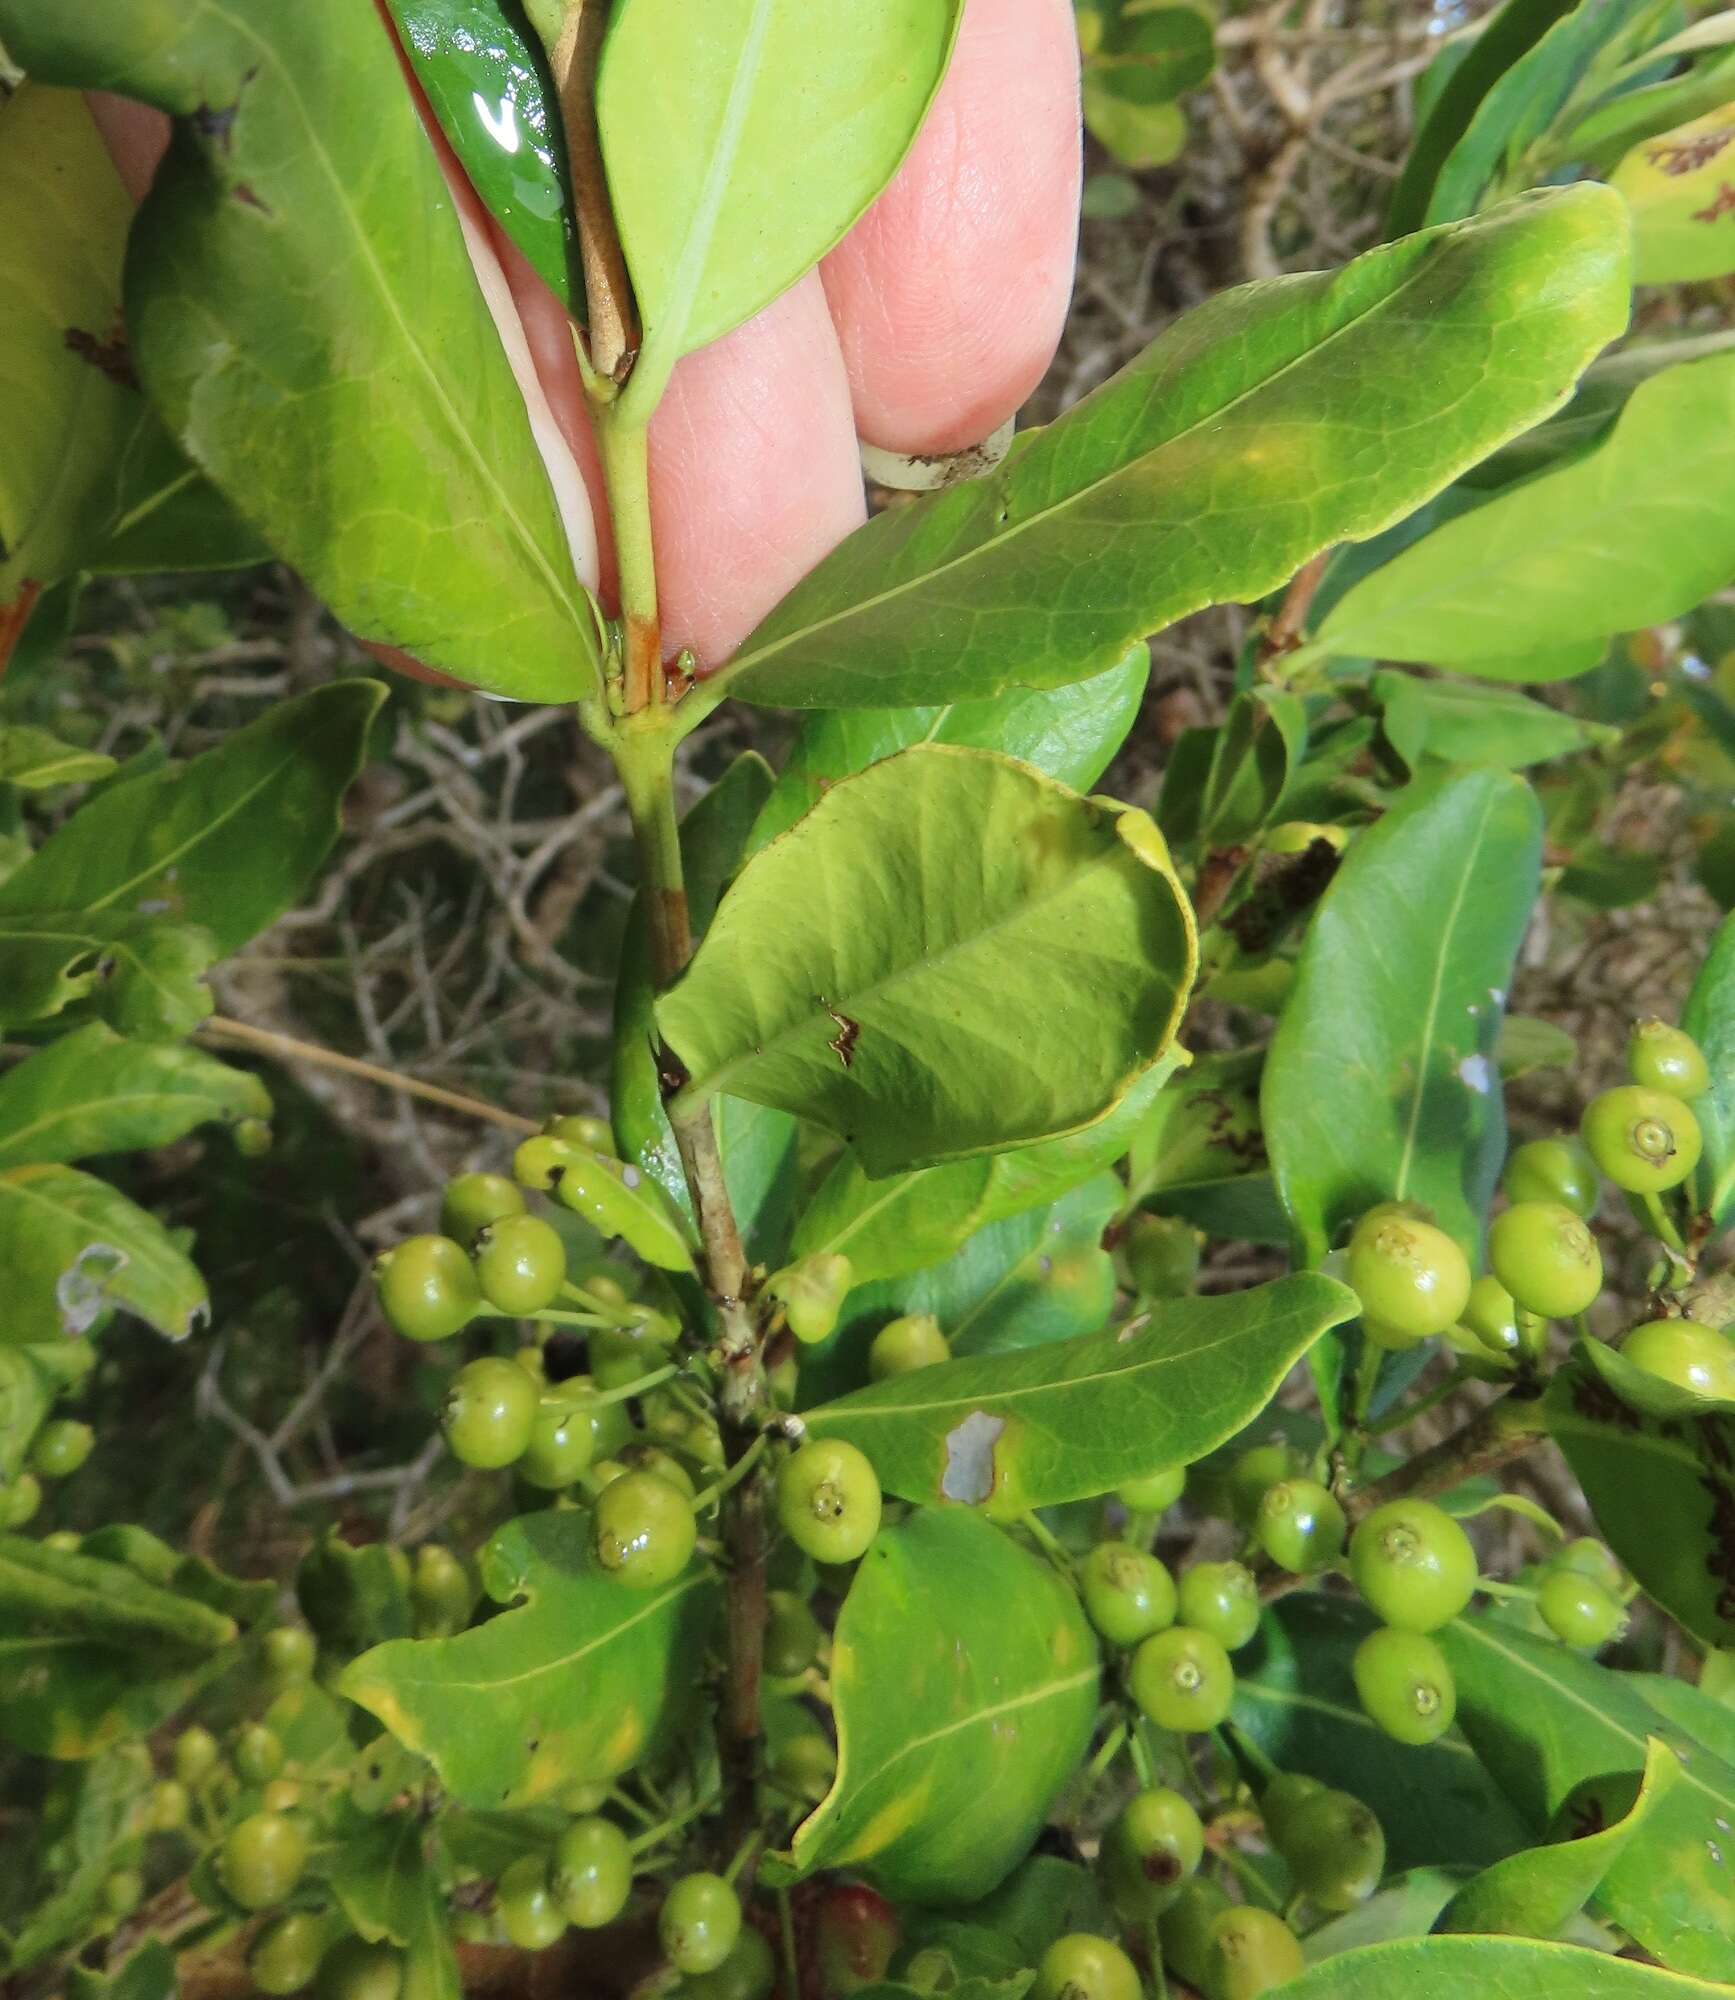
(112, 1100)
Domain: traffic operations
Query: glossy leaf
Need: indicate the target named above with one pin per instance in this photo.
(77, 1595)
(1403, 1907)
(1633, 532)
(906, 1222)
(1380, 1082)
(1295, 1697)
(940, 1792)
(571, 1686)
(486, 80)
(228, 841)
(1069, 732)
(890, 967)
(34, 761)
(756, 1144)
(734, 170)
(353, 1597)
(1607, 130)
(383, 1881)
(1677, 186)
(1544, 1720)
(91, 1092)
(1461, 722)
(1243, 441)
(1660, 1479)
(1709, 1017)
(1005, 1935)
(1468, 1968)
(1537, 1893)
(334, 370)
(72, 1248)
(141, 974)
(1009, 1432)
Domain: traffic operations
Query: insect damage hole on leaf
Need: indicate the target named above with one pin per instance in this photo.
(969, 1474)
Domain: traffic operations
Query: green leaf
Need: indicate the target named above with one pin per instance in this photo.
(486, 81)
(734, 170)
(1537, 1893)
(58, 1594)
(1243, 441)
(386, 1885)
(352, 1597)
(1709, 1017)
(1676, 187)
(141, 974)
(906, 1222)
(1463, 722)
(1065, 1421)
(1526, 1044)
(1545, 1720)
(1476, 1968)
(91, 1092)
(1137, 135)
(301, 308)
(34, 761)
(88, 1822)
(147, 1974)
(1519, 109)
(756, 1145)
(1295, 1697)
(1657, 1465)
(1405, 1907)
(1621, 120)
(572, 1686)
(1380, 1082)
(889, 968)
(1006, 1933)
(1069, 732)
(228, 841)
(941, 1792)
(72, 1248)
(1147, 51)
(1632, 532)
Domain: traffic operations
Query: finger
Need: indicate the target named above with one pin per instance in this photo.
(136, 137)
(754, 472)
(950, 294)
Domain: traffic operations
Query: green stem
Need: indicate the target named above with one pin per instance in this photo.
(1661, 1225)
(1249, 1877)
(786, 1934)
(1112, 1745)
(732, 1478)
(654, 1836)
(1492, 1587)
(627, 1390)
(1047, 1543)
(1411, 1411)
(624, 450)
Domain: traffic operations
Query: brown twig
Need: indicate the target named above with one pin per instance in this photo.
(611, 316)
(1286, 628)
(1504, 1430)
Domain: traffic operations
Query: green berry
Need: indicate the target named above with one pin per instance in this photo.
(1155, 1492)
(1128, 1594)
(1256, 1469)
(828, 1500)
(1578, 1610)
(262, 1859)
(64, 1542)
(253, 1138)
(61, 1447)
(258, 1754)
(1336, 1850)
(1413, 1564)
(643, 1530)
(123, 1892)
(1154, 1843)
(1082, 1966)
(593, 1873)
(562, 1439)
(1643, 1140)
(1588, 1557)
(1300, 1526)
(196, 1754)
(652, 1458)
(903, 1345)
(595, 1134)
(1546, 1258)
(474, 1201)
(1685, 1352)
(441, 1590)
(489, 1412)
(427, 1288)
(748, 1973)
(1668, 1059)
(699, 1923)
(169, 1806)
(520, 1264)
(1221, 1598)
(1559, 1170)
(1282, 1799)
(811, 1293)
(1254, 1952)
(1182, 1679)
(1405, 1685)
(285, 1955)
(805, 1764)
(525, 1905)
(23, 1497)
(281, 1795)
(1184, 1929)
(1412, 1279)
(1492, 1316)
(1162, 1254)
(290, 1652)
(356, 1970)
(792, 1635)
